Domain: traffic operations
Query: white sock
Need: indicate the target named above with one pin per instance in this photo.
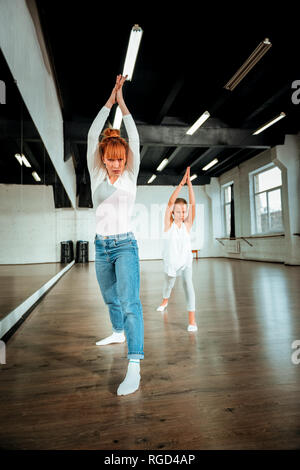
(192, 328)
(114, 338)
(161, 308)
(132, 380)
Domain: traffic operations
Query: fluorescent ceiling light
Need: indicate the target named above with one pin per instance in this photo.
(193, 177)
(36, 176)
(118, 119)
(22, 159)
(19, 158)
(256, 55)
(129, 64)
(209, 165)
(26, 162)
(162, 164)
(151, 179)
(132, 51)
(198, 123)
(268, 124)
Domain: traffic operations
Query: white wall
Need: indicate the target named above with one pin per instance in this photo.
(32, 229)
(27, 224)
(282, 249)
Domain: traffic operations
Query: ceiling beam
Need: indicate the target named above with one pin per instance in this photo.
(162, 136)
(168, 179)
(232, 163)
(175, 136)
(275, 97)
(202, 157)
(214, 169)
(170, 100)
(168, 136)
(143, 152)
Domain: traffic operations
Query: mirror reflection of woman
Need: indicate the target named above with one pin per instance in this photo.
(113, 164)
(177, 252)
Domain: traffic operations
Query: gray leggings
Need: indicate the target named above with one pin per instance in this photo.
(188, 287)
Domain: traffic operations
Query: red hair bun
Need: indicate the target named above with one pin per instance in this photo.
(108, 133)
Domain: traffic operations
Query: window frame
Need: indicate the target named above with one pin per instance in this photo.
(253, 194)
(224, 204)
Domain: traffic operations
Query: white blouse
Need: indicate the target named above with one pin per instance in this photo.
(114, 202)
(177, 250)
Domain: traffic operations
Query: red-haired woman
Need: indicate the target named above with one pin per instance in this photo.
(177, 254)
(114, 165)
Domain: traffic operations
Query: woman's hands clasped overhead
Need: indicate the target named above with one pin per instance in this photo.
(117, 93)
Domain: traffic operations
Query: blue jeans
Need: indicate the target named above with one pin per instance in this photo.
(118, 274)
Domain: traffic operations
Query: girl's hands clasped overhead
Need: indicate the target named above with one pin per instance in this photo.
(186, 178)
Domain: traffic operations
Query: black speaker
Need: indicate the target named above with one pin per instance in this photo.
(82, 251)
(66, 251)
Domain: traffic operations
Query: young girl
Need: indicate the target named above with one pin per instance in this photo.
(114, 167)
(177, 253)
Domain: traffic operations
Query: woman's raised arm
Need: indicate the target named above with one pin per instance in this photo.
(133, 159)
(94, 161)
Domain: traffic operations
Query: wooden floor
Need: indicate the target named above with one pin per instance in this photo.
(231, 385)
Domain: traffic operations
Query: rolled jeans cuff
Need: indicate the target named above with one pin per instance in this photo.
(120, 330)
(135, 356)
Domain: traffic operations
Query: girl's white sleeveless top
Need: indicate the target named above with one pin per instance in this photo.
(177, 250)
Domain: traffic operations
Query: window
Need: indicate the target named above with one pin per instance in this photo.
(228, 209)
(267, 203)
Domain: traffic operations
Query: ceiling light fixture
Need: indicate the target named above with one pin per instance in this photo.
(19, 158)
(193, 177)
(209, 165)
(256, 55)
(26, 162)
(268, 124)
(36, 176)
(129, 64)
(198, 123)
(151, 179)
(162, 165)
(118, 119)
(132, 51)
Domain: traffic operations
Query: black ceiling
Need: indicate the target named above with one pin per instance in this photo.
(186, 57)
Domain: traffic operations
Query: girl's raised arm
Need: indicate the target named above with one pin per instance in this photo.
(170, 206)
(192, 203)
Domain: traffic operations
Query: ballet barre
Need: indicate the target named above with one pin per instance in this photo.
(245, 239)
